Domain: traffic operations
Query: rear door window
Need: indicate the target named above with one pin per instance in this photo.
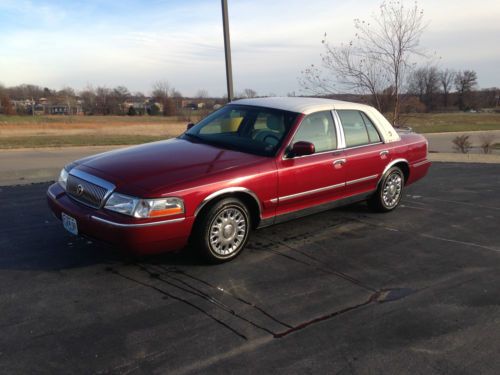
(358, 128)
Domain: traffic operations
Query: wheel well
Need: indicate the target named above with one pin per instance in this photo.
(248, 200)
(404, 168)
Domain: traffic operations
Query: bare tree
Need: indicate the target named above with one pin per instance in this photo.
(249, 93)
(67, 96)
(201, 94)
(120, 95)
(348, 67)
(379, 56)
(424, 82)
(6, 105)
(465, 83)
(103, 96)
(446, 78)
(163, 93)
(88, 97)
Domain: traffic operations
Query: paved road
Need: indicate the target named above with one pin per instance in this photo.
(38, 165)
(442, 142)
(347, 291)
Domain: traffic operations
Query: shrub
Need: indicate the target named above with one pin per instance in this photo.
(462, 144)
(131, 111)
(487, 143)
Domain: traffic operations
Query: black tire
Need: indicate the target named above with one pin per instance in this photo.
(222, 230)
(389, 192)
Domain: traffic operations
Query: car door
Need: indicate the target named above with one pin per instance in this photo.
(365, 153)
(306, 181)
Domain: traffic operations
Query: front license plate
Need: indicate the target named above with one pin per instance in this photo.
(69, 223)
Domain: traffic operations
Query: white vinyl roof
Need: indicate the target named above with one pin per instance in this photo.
(309, 105)
(292, 104)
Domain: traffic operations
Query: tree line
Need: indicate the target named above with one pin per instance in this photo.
(438, 89)
(164, 99)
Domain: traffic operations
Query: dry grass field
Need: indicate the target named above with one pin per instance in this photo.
(57, 131)
(50, 131)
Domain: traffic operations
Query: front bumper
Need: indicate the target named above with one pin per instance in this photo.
(137, 236)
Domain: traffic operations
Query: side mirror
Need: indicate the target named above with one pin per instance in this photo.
(189, 126)
(302, 148)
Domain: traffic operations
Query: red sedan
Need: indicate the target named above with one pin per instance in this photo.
(252, 163)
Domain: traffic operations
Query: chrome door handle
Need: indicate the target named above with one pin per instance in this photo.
(384, 153)
(339, 162)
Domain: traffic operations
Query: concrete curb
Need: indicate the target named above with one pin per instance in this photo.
(464, 158)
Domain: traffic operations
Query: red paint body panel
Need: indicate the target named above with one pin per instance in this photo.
(195, 171)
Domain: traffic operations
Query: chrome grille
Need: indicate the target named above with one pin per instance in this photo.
(85, 191)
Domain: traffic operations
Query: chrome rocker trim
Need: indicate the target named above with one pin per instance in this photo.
(292, 196)
(367, 178)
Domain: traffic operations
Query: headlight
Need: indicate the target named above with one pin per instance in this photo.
(122, 204)
(63, 178)
(144, 208)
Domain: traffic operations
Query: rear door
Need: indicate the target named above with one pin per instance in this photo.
(310, 180)
(365, 153)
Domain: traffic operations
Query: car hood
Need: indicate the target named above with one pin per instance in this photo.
(165, 165)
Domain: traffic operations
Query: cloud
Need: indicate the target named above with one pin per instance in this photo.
(136, 43)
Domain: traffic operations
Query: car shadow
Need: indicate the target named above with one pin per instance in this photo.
(38, 242)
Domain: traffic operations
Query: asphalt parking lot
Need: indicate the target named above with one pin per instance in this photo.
(345, 291)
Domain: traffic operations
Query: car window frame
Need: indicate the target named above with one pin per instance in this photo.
(366, 128)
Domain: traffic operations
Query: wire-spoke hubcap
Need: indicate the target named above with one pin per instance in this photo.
(227, 231)
(392, 190)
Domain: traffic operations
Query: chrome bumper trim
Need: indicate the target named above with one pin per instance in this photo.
(50, 194)
(121, 225)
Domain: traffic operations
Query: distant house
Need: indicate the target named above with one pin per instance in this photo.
(139, 106)
(59, 109)
(190, 106)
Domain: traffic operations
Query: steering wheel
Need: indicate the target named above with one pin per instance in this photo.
(270, 135)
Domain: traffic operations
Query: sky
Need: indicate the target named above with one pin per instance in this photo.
(55, 43)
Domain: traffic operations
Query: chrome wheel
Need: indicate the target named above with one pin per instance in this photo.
(391, 192)
(228, 231)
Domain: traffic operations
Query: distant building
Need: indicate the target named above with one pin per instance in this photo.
(59, 109)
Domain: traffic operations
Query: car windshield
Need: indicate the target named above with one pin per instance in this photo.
(254, 130)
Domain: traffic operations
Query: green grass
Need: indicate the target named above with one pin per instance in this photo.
(453, 122)
(74, 140)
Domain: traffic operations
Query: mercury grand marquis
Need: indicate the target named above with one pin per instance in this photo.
(250, 164)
